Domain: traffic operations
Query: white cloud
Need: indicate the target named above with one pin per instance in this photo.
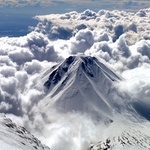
(4, 106)
(7, 71)
(144, 48)
(21, 55)
(114, 22)
(137, 82)
(22, 78)
(5, 60)
(33, 67)
(83, 40)
(9, 85)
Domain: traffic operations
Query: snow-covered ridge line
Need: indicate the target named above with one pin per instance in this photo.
(128, 139)
(17, 138)
(84, 84)
(73, 63)
(81, 84)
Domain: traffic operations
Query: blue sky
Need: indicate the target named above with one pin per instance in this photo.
(16, 15)
(16, 18)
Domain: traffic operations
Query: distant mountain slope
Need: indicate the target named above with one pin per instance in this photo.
(17, 138)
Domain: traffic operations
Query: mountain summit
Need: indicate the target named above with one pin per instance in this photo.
(81, 84)
(85, 85)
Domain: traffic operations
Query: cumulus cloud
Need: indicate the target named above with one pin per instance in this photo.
(32, 67)
(136, 88)
(5, 106)
(24, 49)
(7, 71)
(114, 22)
(22, 78)
(21, 55)
(5, 60)
(83, 40)
(144, 48)
(138, 82)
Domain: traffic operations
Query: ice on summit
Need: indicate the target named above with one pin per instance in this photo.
(82, 84)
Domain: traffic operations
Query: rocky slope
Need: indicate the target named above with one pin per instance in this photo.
(81, 84)
(17, 138)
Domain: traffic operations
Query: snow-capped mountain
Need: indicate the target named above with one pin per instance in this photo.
(84, 84)
(81, 84)
(17, 138)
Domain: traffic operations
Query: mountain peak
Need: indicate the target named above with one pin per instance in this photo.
(87, 64)
(81, 83)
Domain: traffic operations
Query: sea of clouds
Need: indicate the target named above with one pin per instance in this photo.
(119, 39)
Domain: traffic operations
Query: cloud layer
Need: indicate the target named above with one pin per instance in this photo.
(118, 39)
(115, 22)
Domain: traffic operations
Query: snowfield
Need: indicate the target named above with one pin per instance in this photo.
(17, 138)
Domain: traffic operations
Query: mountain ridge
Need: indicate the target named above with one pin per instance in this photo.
(17, 138)
(81, 83)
